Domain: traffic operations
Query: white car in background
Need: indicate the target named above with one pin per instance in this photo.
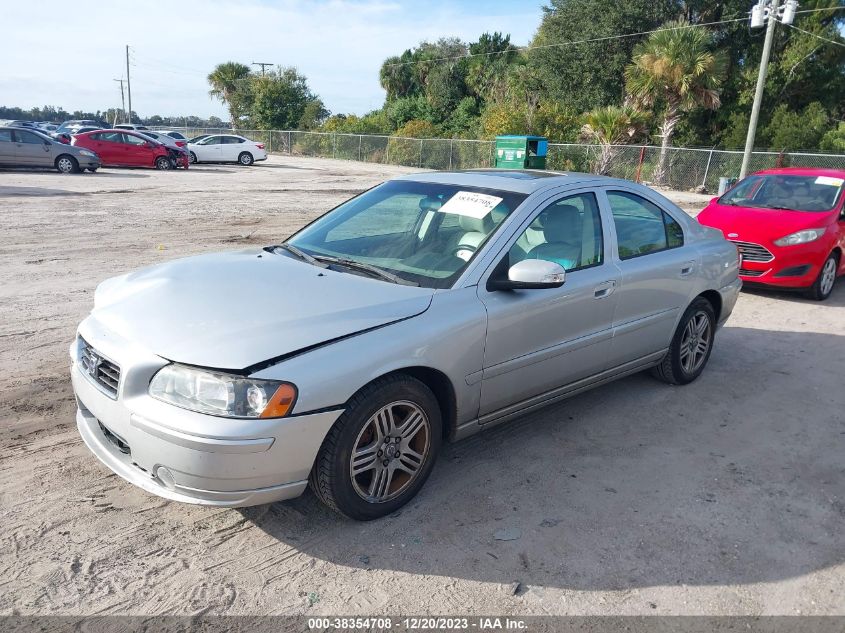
(176, 136)
(226, 148)
(165, 139)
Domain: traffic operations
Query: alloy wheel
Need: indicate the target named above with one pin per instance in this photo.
(390, 451)
(828, 276)
(695, 342)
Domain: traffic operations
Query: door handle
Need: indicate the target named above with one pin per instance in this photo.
(687, 269)
(604, 289)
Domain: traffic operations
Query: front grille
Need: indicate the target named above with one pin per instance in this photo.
(753, 252)
(745, 272)
(99, 370)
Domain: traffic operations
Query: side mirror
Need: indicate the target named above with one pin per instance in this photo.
(530, 274)
(714, 200)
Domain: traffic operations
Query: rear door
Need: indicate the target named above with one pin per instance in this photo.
(7, 148)
(31, 149)
(655, 269)
(107, 145)
(231, 148)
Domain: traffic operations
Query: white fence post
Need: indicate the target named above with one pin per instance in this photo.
(707, 169)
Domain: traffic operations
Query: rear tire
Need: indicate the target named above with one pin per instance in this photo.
(163, 163)
(691, 345)
(67, 164)
(380, 451)
(192, 158)
(245, 159)
(823, 285)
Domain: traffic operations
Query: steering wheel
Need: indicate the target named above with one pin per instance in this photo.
(462, 248)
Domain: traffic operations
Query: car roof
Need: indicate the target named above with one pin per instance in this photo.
(526, 181)
(802, 171)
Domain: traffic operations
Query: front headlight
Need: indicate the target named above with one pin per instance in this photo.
(85, 152)
(220, 394)
(801, 237)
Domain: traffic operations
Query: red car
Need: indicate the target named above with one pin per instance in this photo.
(788, 225)
(123, 148)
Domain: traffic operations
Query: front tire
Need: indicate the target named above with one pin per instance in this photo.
(691, 345)
(192, 158)
(380, 452)
(163, 163)
(823, 285)
(67, 164)
(245, 159)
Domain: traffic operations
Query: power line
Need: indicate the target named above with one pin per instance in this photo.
(569, 43)
(824, 39)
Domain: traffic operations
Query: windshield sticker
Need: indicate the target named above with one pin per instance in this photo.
(474, 205)
(828, 180)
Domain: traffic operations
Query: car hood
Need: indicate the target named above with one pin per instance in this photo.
(238, 309)
(750, 224)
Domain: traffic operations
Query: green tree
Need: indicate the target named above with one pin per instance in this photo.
(834, 140)
(230, 84)
(591, 74)
(675, 70)
(280, 99)
(314, 114)
(609, 126)
(790, 130)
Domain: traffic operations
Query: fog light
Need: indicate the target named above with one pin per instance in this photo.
(165, 477)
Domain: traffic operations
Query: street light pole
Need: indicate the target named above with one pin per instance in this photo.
(771, 11)
(758, 93)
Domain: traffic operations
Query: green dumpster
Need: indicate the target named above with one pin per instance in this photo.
(521, 152)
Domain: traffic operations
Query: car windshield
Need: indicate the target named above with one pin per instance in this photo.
(793, 192)
(424, 233)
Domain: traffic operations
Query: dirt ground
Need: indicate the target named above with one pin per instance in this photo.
(726, 496)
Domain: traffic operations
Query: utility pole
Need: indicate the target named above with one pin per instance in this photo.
(762, 11)
(122, 100)
(128, 87)
(262, 64)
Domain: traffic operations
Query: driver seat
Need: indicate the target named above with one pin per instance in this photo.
(562, 231)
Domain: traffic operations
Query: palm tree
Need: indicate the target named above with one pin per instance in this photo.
(228, 83)
(609, 126)
(677, 69)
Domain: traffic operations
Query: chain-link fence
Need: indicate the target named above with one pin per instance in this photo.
(684, 168)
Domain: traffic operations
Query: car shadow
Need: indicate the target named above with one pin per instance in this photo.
(735, 478)
(836, 298)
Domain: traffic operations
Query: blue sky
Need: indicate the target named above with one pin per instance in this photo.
(69, 57)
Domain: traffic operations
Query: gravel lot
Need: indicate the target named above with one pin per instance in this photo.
(723, 497)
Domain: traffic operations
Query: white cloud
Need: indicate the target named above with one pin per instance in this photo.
(68, 58)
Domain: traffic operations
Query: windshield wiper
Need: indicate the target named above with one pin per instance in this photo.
(369, 268)
(300, 254)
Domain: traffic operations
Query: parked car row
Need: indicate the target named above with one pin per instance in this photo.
(124, 145)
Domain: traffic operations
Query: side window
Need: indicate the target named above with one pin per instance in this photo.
(133, 140)
(6, 135)
(27, 137)
(567, 232)
(641, 226)
(212, 140)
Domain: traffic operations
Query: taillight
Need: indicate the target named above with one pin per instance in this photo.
(260, 145)
(181, 143)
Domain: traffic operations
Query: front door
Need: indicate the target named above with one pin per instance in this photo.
(209, 150)
(539, 340)
(655, 268)
(138, 151)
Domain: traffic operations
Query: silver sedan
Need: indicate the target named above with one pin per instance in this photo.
(428, 308)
